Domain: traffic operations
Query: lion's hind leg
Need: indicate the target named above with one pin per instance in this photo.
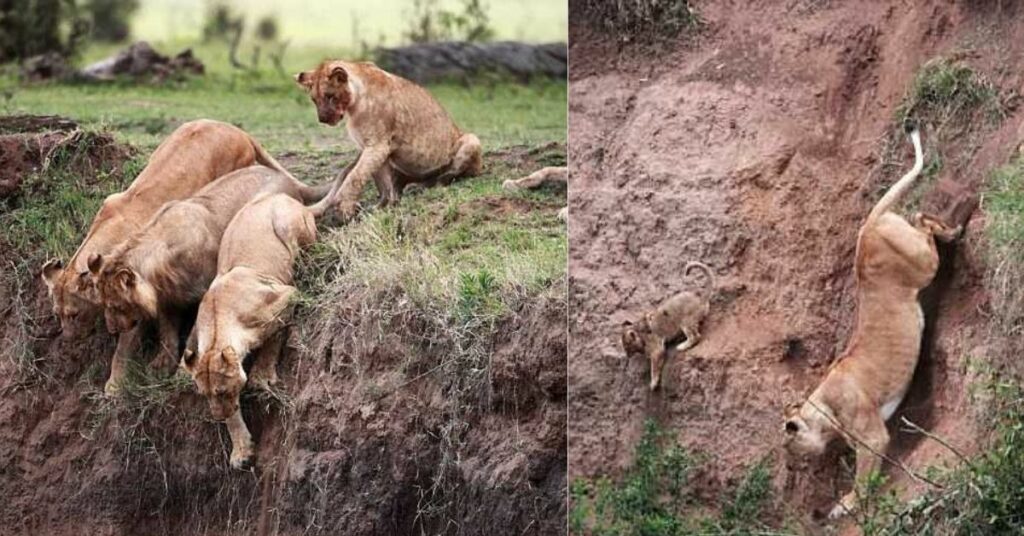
(914, 245)
(692, 338)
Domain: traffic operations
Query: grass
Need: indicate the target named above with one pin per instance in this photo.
(655, 497)
(644, 20)
(1004, 206)
(953, 106)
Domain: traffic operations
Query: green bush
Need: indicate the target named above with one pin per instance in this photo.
(655, 498)
(982, 497)
(111, 19)
(32, 27)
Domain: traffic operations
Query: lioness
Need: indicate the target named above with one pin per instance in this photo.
(403, 133)
(863, 388)
(246, 308)
(166, 267)
(193, 155)
(679, 315)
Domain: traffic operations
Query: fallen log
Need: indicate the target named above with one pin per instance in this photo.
(432, 62)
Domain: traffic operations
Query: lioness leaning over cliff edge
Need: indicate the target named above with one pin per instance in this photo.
(403, 133)
(193, 156)
(865, 385)
(166, 267)
(246, 308)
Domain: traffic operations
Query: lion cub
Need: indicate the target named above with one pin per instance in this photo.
(246, 308)
(403, 133)
(193, 156)
(165, 268)
(679, 315)
(865, 385)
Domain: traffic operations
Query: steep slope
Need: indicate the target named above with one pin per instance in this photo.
(758, 148)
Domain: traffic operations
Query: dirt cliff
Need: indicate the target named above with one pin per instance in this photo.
(375, 428)
(757, 147)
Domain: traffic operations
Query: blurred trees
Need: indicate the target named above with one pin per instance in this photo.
(32, 27)
(111, 19)
(429, 23)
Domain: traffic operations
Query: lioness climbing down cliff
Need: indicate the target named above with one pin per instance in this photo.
(246, 308)
(404, 135)
(193, 155)
(165, 268)
(865, 385)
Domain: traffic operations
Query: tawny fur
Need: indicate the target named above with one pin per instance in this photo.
(680, 315)
(404, 135)
(246, 308)
(556, 175)
(193, 155)
(865, 385)
(166, 266)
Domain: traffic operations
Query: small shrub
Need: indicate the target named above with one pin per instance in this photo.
(32, 27)
(654, 498)
(222, 22)
(429, 23)
(643, 19)
(111, 19)
(945, 92)
(983, 497)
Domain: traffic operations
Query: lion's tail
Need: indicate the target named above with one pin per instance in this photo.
(902, 186)
(708, 273)
(325, 202)
(310, 194)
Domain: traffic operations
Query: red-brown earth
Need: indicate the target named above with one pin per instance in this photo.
(757, 147)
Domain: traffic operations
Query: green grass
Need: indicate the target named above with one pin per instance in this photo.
(449, 248)
(954, 107)
(277, 113)
(945, 91)
(644, 20)
(655, 497)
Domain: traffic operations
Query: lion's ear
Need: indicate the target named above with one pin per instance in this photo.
(126, 278)
(339, 75)
(188, 362)
(50, 271)
(304, 79)
(95, 263)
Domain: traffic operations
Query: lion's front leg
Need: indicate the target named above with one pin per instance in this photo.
(264, 369)
(127, 343)
(346, 202)
(168, 327)
(242, 449)
(871, 441)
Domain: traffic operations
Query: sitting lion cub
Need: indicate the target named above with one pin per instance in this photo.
(865, 385)
(166, 267)
(679, 315)
(246, 308)
(403, 133)
(193, 156)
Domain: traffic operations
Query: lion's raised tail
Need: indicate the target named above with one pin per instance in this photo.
(902, 186)
(310, 194)
(708, 273)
